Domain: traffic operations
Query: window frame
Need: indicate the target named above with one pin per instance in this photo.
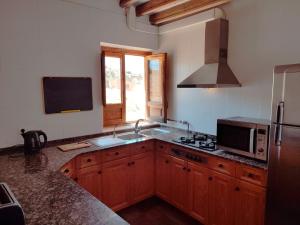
(120, 53)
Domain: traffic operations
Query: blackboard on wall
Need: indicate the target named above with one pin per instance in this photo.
(67, 94)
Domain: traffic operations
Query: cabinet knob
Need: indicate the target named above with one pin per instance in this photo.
(161, 146)
(66, 171)
(184, 168)
(132, 163)
(167, 161)
(221, 166)
(210, 178)
(76, 179)
(129, 163)
(143, 146)
(89, 160)
(117, 153)
(189, 170)
(237, 189)
(99, 172)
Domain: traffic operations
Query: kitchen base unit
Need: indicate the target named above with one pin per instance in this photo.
(211, 189)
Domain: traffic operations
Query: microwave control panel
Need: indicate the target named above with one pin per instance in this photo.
(262, 142)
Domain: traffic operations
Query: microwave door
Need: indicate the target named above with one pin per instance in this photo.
(237, 139)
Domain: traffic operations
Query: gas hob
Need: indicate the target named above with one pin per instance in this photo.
(201, 141)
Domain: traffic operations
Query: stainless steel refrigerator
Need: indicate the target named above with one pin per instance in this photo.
(283, 193)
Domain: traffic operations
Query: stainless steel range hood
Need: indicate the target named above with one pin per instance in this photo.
(215, 73)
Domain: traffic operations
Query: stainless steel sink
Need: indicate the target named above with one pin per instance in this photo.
(155, 131)
(131, 136)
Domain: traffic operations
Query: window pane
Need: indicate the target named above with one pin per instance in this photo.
(135, 87)
(113, 80)
(155, 81)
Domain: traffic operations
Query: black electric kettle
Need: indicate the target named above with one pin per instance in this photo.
(32, 140)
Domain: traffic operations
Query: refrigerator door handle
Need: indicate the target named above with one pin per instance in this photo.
(278, 129)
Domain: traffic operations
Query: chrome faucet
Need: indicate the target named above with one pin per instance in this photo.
(114, 132)
(184, 122)
(136, 127)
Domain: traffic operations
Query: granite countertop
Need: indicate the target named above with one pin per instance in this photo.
(49, 197)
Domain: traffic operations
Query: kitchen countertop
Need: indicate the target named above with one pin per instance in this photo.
(49, 197)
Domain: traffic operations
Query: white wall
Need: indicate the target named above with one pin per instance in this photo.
(55, 38)
(262, 34)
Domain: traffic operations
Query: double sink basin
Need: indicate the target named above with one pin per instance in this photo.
(145, 133)
(121, 139)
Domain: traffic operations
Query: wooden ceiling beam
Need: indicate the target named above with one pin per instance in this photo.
(127, 3)
(155, 6)
(184, 10)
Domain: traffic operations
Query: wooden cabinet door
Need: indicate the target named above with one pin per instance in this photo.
(90, 178)
(198, 192)
(250, 204)
(179, 183)
(221, 199)
(156, 86)
(163, 176)
(142, 176)
(115, 180)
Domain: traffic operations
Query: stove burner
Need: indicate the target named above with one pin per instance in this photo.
(202, 141)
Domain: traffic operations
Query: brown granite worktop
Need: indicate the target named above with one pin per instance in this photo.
(48, 197)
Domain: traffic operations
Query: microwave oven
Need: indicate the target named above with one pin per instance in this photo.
(244, 136)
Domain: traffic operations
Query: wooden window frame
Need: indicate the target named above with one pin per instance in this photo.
(119, 53)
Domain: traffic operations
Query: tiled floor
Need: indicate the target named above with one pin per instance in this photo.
(154, 211)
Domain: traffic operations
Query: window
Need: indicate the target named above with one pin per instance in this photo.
(133, 85)
(113, 80)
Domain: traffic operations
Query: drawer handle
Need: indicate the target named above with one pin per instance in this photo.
(143, 147)
(210, 178)
(117, 153)
(99, 172)
(89, 160)
(250, 175)
(221, 166)
(66, 171)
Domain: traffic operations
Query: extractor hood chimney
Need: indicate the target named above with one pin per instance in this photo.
(215, 73)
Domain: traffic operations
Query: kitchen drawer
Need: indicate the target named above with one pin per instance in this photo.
(69, 169)
(252, 175)
(88, 159)
(142, 147)
(222, 166)
(162, 147)
(116, 153)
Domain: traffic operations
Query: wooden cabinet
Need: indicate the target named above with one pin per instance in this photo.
(198, 198)
(88, 159)
(213, 190)
(90, 179)
(163, 176)
(115, 183)
(179, 183)
(69, 169)
(221, 199)
(141, 176)
(249, 204)
(252, 175)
